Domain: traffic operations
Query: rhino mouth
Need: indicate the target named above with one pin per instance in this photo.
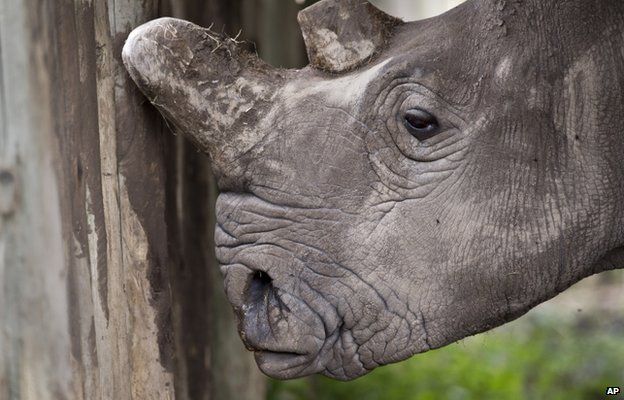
(292, 304)
(285, 334)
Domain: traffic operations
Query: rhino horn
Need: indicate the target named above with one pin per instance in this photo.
(209, 87)
(341, 35)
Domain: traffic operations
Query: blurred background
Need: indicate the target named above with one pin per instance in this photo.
(414, 10)
(109, 288)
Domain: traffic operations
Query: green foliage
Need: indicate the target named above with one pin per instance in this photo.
(533, 358)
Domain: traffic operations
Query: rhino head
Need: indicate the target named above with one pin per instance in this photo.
(416, 184)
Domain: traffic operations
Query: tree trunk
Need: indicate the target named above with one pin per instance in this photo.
(109, 287)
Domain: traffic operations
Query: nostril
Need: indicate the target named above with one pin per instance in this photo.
(259, 286)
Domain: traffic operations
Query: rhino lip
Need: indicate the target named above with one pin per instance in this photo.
(275, 363)
(279, 353)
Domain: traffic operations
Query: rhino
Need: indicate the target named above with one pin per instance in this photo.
(416, 184)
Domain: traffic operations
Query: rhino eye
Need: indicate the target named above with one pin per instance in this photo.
(421, 124)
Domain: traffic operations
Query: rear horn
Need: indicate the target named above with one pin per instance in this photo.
(341, 35)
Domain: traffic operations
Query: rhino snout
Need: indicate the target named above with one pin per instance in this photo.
(284, 333)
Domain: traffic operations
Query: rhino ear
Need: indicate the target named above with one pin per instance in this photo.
(343, 34)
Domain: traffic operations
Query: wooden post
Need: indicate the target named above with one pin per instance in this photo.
(86, 299)
(108, 284)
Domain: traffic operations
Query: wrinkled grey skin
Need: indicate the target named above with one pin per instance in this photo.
(345, 242)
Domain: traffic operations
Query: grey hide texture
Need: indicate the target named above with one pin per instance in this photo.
(346, 242)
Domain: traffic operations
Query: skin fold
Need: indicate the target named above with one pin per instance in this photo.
(350, 239)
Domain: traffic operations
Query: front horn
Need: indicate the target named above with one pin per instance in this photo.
(341, 35)
(210, 88)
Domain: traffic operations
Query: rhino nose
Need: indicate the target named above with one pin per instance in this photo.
(280, 328)
(244, 286)
(249, 291)
(259, 289)
(257, 305)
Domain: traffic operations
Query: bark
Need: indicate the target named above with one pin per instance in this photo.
(109, 287)
(84, 264)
